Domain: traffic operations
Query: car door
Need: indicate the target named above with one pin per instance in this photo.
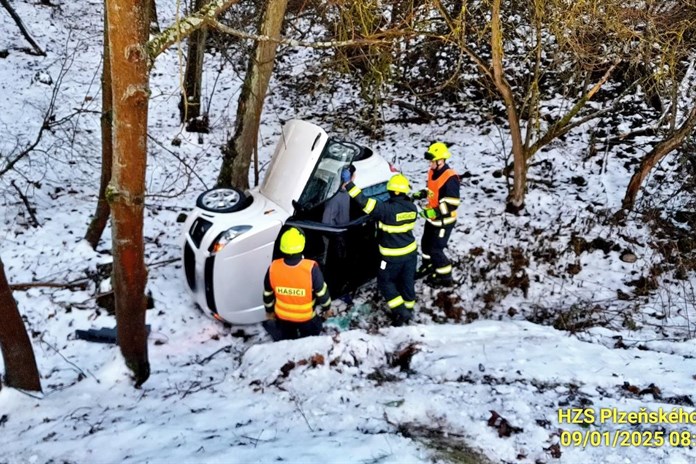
(348, 254)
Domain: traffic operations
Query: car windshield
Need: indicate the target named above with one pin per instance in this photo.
(326, 178)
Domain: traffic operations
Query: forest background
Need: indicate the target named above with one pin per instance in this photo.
(571, 123)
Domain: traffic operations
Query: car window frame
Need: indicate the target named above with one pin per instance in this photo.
(333, 188)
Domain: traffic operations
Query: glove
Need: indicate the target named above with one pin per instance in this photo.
(327, 314)
(422, 193)
(345, 175)
(429, 213)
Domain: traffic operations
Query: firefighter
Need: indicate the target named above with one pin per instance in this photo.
(397, 271)
(292, 287)
(442, 193)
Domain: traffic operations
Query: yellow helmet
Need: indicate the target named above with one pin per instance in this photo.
(437, 151)
(292, 241)
(398, 183)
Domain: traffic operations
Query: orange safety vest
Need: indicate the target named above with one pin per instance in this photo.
(292, 286)
(434, 186)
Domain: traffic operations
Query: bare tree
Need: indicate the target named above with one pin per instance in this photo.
(130, 57)
(670, 143)
(518, 96)
(190, 103)
(128, 28)
(587, 44)
(17, 353)
(516, 197)
(101, 215)
(238, 150)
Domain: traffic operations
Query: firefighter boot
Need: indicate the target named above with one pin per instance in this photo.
(440, 280)
(401, 316)
(425, 269)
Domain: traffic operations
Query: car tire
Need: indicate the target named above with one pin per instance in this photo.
(222, 200)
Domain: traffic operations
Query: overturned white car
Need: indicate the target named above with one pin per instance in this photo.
(230, 237)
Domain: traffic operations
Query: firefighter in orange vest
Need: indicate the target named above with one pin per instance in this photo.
(442, 193)
(292, 287)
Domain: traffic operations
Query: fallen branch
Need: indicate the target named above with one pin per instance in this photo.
(426, 116)
(207, 359)
(163, 262)
(20, 25)
(77, 368)
(25, 200)
(197, 386)
(81, 285)
(299, 408)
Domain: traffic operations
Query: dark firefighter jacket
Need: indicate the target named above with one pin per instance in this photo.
(396, 218)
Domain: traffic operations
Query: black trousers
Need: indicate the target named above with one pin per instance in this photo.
(338, 267)
(294, 330)
(434, 242)
(397, 277)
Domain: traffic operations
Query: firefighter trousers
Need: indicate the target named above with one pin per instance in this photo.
(294, 330)
(396, 281)
(433, 244)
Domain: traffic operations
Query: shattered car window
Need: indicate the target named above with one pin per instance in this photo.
(326, 179)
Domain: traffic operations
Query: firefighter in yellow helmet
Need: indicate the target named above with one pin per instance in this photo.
(397, 271)
(292, 287)
(442, 193)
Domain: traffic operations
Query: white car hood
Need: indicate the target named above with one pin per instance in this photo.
(295, 156)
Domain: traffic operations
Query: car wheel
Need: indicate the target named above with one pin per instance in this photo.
(222, 200)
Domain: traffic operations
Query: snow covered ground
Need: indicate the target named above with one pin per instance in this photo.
(423, 393)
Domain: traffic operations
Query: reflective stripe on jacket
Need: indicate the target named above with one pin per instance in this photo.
(445, 203)
(396, 218)
(292, 286)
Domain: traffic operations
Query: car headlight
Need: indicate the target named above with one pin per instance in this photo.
(226, 237)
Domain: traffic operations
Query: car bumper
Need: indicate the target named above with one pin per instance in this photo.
(228, 285)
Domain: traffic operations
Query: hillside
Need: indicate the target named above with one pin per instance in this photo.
(567, 305)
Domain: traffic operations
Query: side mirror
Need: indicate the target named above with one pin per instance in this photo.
(181, 217)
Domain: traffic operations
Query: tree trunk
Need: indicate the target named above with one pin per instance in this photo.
(128, 24)
(237, 152)
(515, 201)
(658, 152)
(101, 215)
(190, 104)
(17, 353)
(154, 22)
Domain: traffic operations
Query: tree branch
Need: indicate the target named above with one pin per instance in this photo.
(80, 285)
(422, 114)
(25, 200)
(560, 127)
(26, 151)
(659, 151)
(185, 27)
(298, 43)
(48, 118)
(20, 25)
